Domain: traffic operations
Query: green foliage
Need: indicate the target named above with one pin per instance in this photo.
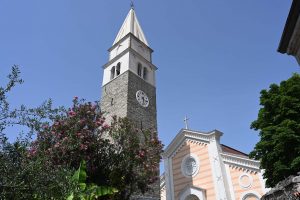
(32, 118)
(5, 113)
(136, 158)
(86, 191)
(279, 124)
(26, 178)
(22, 177)
(119, 155)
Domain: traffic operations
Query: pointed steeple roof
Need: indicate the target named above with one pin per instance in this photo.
(131, 25)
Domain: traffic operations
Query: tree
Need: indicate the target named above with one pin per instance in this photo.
(23, 177)
(279, 125)
(85, 191)
(32, 118)
(119, 155)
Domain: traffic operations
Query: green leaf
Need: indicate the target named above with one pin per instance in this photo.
(80, 175)
(101, 190)
(82, 186)
(71, 196)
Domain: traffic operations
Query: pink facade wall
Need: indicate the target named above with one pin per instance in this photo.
(238, 181)
(202, 179)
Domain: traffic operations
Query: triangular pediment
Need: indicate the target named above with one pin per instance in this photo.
(184, 134)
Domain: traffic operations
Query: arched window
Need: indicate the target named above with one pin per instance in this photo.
(118, 70)
(139, 69)
(250, 197)
(192, 197)
(112, 73)
(145, 73)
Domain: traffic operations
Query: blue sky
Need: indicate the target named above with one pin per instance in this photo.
(213, 57)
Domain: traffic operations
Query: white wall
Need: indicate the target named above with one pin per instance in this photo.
(141, 49)
(134, 60)
(119, 48)
(124, 60)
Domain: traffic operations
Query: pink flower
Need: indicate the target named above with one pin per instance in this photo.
(106, 126)
(83, 147)
(33, 151)
(98, 123)
(75, 98)
(72, 113)
(141, 153)
(56, 123)
(56, 145)
(45, 126)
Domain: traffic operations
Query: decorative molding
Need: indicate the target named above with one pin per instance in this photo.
(191, 190)
(184, 163)
(241, 162)
(183, 135)
(246, 194)
(249, 181)
(125, 37)
(129, 49)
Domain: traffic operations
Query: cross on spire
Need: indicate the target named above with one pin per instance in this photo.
(132, 4)
(186, 122)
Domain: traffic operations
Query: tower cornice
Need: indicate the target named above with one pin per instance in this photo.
(132, 51)
(132, 36)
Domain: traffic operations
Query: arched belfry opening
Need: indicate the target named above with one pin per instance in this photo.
(112, 73)
(139, 69)
(145, 73)
(118, 69)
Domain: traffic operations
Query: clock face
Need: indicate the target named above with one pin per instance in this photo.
(142, 98)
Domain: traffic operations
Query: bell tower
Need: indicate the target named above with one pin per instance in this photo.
(128, 87)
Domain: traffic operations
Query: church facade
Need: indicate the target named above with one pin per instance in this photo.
(197, 166)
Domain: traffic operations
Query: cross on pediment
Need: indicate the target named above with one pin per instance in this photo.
(186, 122)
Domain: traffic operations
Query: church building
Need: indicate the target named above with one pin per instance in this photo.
(197, 165)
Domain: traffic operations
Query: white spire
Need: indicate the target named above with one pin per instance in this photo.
(131, 25)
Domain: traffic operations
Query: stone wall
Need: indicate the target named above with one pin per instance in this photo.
(288, 189)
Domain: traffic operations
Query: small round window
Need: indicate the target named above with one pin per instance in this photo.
(190, 165)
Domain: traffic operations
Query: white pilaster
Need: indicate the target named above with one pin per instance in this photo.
(230, 182)
(169, 178)
(215, 160)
